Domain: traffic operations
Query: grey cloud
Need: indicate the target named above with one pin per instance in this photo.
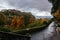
(43, 5)
(28, 5)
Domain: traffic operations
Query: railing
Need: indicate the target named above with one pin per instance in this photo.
(13, 36)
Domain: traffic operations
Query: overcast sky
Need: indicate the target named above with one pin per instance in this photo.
(37, 7)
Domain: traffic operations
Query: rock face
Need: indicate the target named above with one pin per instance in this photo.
(55, 10)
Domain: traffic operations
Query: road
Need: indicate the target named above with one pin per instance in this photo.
(48, 34)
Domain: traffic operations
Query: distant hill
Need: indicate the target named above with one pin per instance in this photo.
(44, 17)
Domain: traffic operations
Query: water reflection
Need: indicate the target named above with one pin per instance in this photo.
(45, 34)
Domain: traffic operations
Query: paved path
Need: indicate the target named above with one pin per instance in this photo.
(48, 34)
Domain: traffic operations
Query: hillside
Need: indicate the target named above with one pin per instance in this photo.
(14, 20)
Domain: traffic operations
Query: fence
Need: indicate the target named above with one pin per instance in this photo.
(13, 36)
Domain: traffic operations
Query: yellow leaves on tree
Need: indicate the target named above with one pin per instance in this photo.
(43, 20)
(31, 20)
(20, 22)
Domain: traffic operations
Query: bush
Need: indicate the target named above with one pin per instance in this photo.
(5, 28)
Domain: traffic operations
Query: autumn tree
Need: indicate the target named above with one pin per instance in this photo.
(31, 19)
(13, 22)
(20, 22)
(57, 15)
(55, 10)
(27, 17)
(44, 20)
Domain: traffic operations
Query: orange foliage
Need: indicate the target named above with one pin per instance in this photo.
(13, 22)
(17, 21)
(20, 21)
